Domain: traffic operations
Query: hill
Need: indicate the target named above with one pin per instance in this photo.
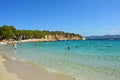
(10, 32)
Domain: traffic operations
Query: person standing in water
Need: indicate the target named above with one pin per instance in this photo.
(76, 46)
(15, 45)
(36, 44)
(68, 48)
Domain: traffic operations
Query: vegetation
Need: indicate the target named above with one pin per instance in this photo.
(10, 32)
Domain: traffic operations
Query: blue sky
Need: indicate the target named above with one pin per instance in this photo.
(85, 17)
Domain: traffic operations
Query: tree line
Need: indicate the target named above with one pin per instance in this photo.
(10, 32)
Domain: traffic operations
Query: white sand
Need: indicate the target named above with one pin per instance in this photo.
(4, 74)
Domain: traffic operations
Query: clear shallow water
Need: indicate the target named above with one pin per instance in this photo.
(91, 60)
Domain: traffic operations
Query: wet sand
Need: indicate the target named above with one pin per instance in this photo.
(4, 73)
(17, 70)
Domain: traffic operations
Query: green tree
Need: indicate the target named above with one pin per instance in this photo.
(7, 32)
(10, 32)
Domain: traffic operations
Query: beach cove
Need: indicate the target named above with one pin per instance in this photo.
(60, 40)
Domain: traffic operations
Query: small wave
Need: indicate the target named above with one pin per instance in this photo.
(62, 73)
(13, 58)
(23, 60)
(51, 70)
(76, 78)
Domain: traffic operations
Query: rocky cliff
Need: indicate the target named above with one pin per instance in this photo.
(54, 38)
(63, 37)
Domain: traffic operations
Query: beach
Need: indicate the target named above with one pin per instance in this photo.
(59, 40)
(11, 69)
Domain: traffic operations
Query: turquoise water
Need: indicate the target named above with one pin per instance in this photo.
(90, 60)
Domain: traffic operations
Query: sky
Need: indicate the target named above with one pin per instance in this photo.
(85, 17)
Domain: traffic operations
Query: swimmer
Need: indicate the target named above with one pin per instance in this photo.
(68, 48)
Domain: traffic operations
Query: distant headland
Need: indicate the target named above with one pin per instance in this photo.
(104, 37)
(8, 33)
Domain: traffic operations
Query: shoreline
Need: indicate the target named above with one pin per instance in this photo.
(4, 73)
(36, 40)
(26, 71)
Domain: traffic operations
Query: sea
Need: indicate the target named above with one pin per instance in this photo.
(84, 60)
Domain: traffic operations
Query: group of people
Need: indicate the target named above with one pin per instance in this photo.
(69, 47)
(15, 45)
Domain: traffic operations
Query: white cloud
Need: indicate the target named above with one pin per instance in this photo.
(115, 31)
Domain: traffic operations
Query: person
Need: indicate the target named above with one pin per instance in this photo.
(15, 45)
(68, 47)
(36, 44)
(76, 46)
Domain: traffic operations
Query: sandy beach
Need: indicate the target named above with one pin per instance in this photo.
(4, 73)
(16, 70)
